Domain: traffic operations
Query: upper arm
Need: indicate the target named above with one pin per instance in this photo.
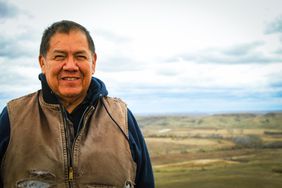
(4, 131)
(4, 135)
(140, 154)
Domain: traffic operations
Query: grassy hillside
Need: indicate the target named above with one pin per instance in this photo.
(242, 120)
(216, 151)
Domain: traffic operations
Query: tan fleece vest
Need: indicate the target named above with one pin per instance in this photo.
(37, 154)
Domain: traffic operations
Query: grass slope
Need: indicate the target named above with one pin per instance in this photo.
(215, 151)
(243, 120)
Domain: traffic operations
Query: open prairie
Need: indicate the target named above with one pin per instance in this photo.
(221, 151)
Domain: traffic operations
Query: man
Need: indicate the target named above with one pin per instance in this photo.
(70, 133)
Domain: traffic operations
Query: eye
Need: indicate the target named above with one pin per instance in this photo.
(59, 57)
(81, 57)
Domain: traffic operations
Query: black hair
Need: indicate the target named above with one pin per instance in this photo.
(64, 26)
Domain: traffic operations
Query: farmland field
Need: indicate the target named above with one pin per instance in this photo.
(220, 151)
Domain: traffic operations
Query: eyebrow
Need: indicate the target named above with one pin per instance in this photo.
(64, 52)
(59, 51)
(80, 52)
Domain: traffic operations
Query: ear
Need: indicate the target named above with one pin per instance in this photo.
(42, 63)
(93, 63)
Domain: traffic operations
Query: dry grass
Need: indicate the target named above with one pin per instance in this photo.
(201, 152)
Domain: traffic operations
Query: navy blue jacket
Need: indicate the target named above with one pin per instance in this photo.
(144, 174)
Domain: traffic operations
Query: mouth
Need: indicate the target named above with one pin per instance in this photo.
(70, 78)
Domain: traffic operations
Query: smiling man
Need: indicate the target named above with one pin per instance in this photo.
(68, 66)
(70, 133)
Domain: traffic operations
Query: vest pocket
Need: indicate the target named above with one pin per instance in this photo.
(33, 184)
(127, 184)
(100, 186)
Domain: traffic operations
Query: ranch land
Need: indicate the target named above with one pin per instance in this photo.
(215, 151)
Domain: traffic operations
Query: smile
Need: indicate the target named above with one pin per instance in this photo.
(70, 78)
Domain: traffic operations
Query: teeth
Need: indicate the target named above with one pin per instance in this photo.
(70, 79)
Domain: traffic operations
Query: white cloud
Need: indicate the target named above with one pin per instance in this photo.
(188, 55)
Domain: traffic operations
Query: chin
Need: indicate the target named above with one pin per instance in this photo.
(70, 94)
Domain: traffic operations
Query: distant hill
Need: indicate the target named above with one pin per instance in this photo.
(236, 120)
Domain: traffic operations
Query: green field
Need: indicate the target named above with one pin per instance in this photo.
(220, 151)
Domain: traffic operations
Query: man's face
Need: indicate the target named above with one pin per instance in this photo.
(68, 65)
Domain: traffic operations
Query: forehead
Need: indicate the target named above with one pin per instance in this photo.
(73, 40)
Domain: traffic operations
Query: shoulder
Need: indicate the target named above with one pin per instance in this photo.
(22, 101)
(114, 101)
(24, 98)
(115, 106)
(117, 111)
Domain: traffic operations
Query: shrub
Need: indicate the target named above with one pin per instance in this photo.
(273, 145)
(248, 141)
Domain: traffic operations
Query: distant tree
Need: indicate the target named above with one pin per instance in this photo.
(248, 141)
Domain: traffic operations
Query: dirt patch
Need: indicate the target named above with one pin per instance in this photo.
(181, 157)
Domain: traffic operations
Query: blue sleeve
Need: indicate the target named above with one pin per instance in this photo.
(144, 173)
(4, 136)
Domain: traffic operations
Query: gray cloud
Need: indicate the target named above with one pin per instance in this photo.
(242, 49)
(168, 72)
(278, 51)
(18, 74)
(277, 85)
(111, 36)
(7, 10)
(118, 64)
(19, 46)
(240, 59)
(275, 26)
(239, 54)
(12, 49)
(17, 80)
(193, 93)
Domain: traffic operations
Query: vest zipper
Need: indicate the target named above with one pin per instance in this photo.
(70, 174)
(69, 145)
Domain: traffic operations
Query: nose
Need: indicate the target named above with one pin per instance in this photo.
(70, 65)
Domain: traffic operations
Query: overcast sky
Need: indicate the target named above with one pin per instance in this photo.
(160, 56)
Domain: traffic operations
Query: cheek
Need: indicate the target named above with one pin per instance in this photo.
(51, 73)
(53, 69)
(86, 69)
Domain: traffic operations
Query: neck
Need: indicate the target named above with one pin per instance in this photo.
(71, 103)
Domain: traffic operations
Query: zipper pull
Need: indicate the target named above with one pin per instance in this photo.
(70, 173)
